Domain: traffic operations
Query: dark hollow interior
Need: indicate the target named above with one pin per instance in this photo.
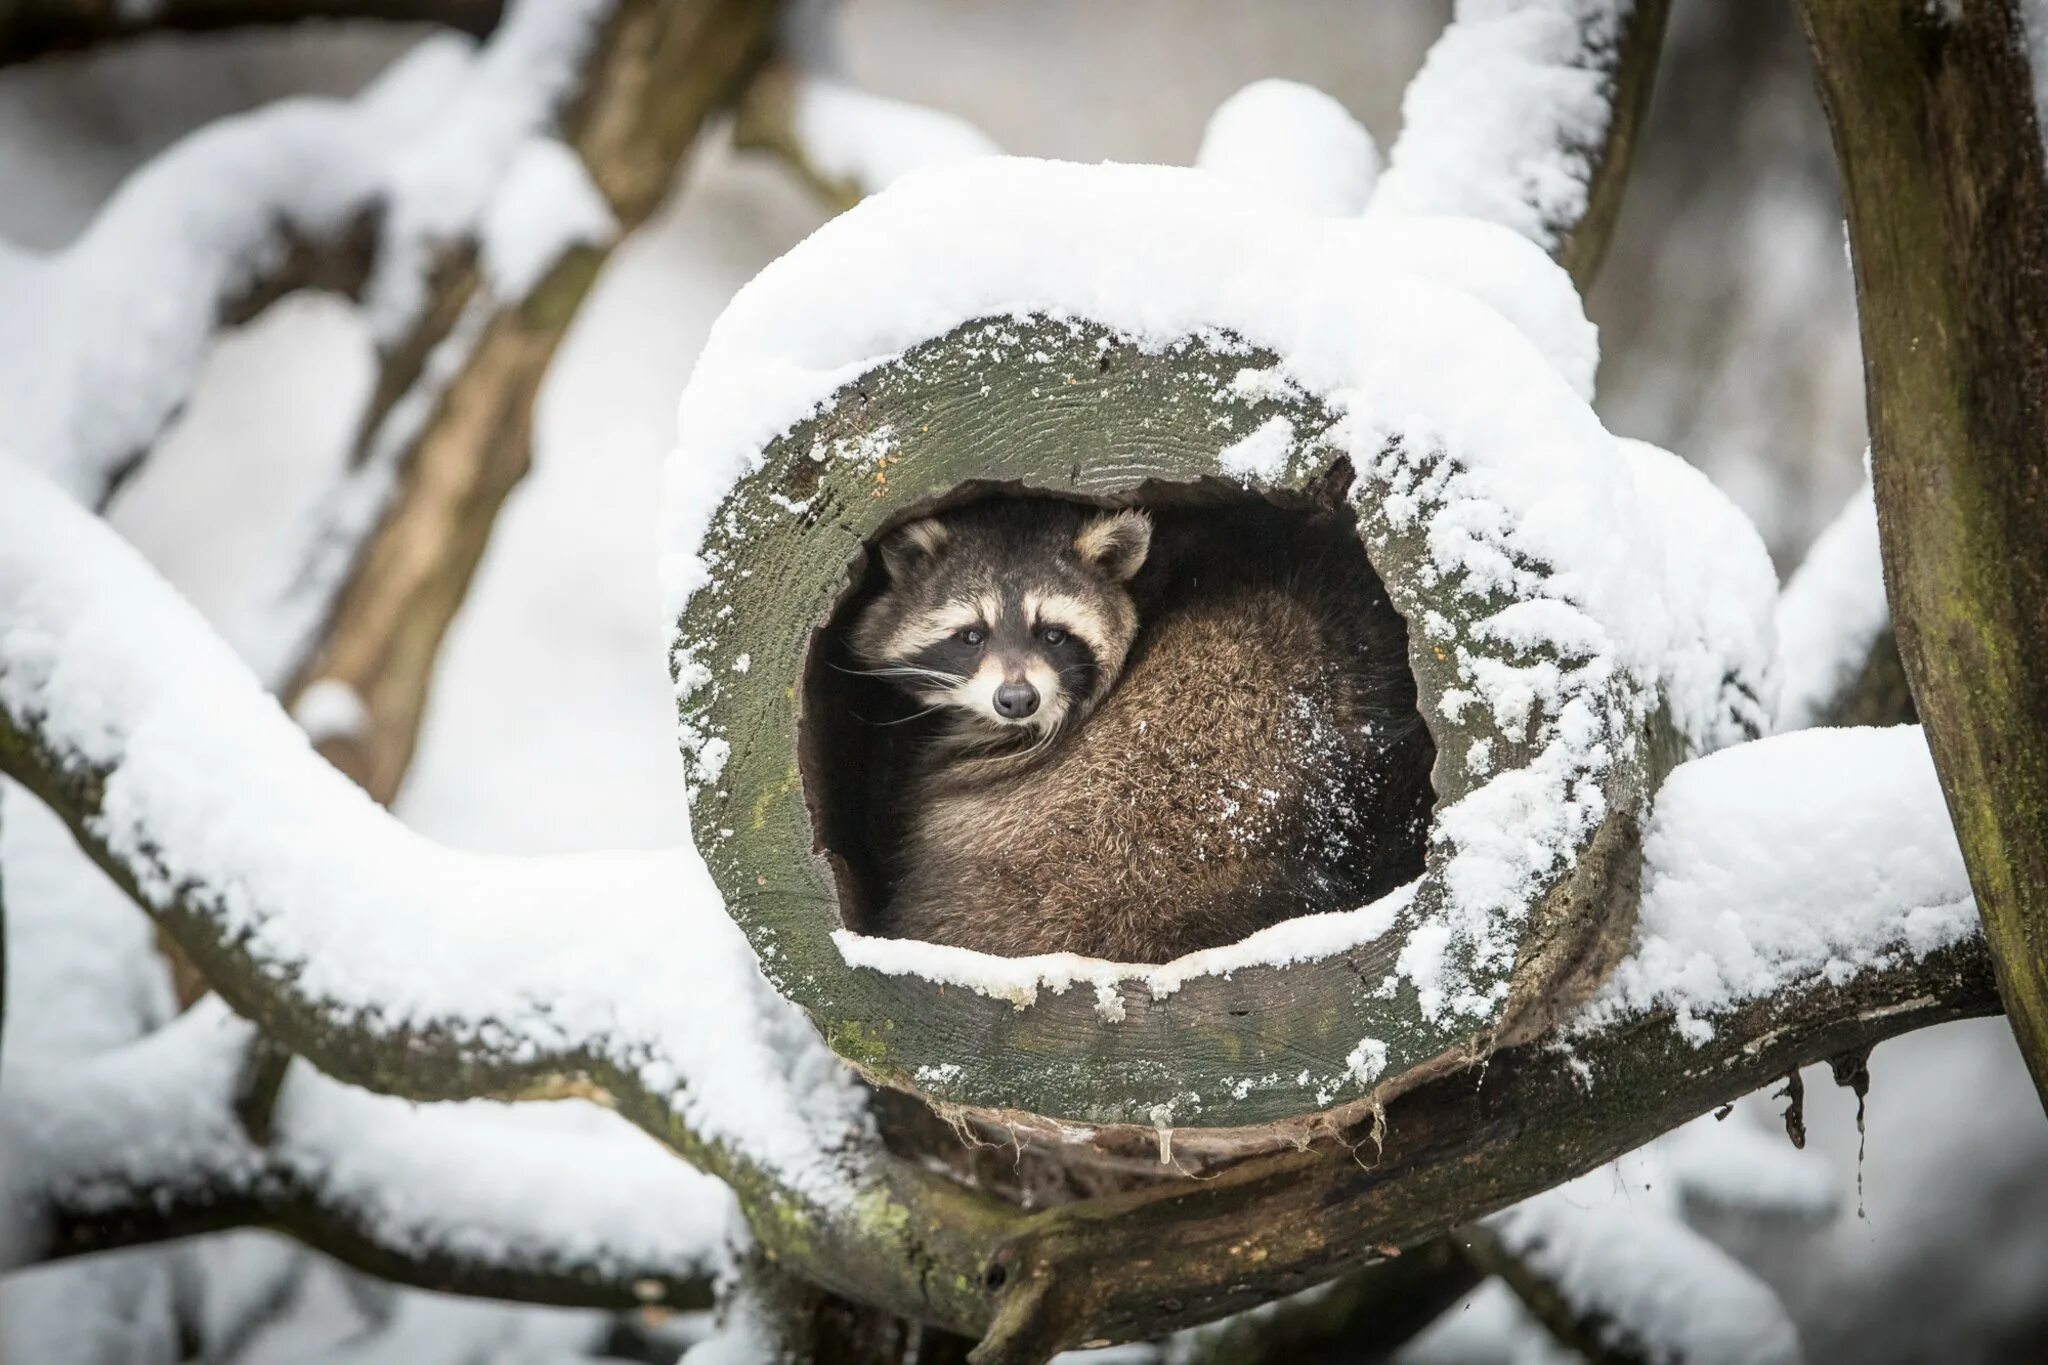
(855, 731)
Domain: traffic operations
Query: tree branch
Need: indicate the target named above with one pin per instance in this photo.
(1526, 115)
(392, 963)
(143, 1144)
(30, 29)
(455, 444)
(1933, 112)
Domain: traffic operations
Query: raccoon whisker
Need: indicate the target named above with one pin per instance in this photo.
(900, 671)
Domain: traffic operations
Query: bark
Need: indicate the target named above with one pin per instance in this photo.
(660, 71)
(1632, 68)
(1361, 1319)
(1942, 167)
(30, 29)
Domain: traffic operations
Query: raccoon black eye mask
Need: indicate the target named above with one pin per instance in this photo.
(1138, 788)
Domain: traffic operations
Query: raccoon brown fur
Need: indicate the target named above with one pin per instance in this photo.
(1220, 729)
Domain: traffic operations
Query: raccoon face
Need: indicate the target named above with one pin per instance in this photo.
(1011, 615)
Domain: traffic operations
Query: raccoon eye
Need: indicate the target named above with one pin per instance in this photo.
(1053, 636)
(971, 635)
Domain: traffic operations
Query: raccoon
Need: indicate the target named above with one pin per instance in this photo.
(1150, 732)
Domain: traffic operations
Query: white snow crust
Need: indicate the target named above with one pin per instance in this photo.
(1485, 359)
(1498, 123)
(1295, 145)
(1800, 858)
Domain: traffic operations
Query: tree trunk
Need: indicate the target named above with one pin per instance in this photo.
(1935, 127)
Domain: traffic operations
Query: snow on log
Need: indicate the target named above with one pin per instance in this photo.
(1524, 115)
(1105, 333)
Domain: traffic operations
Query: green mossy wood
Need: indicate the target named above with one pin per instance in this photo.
(1069, 408)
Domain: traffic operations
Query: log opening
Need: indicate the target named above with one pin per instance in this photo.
(857, 733)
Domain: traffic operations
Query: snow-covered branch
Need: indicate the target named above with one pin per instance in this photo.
(1524, 114)
(39, 28)
(447, 431)
(1803, 899)
(555, 1204)
(102, 339)
(391, 962)
(843, 142)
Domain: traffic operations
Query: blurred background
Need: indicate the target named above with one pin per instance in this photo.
(1728, 335)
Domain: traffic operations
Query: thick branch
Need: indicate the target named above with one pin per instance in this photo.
(456, 444)
(143, 1144)
(408, 968)
(1526, 115)
(1934, 121)
(39, 28)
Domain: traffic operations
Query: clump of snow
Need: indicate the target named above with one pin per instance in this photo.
(1458, 393)
(853, 137)
(1501, 121)
(546, 205)
(1831, 614)
(330, 709)
(1263, 454)
(1805, 857)
(1720, 650)
(1293, 144)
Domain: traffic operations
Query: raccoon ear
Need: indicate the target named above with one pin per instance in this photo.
(1115, 545)
(912, 547)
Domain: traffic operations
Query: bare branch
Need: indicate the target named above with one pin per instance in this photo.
(1526, 115)
(1935, 125)
(30, 29)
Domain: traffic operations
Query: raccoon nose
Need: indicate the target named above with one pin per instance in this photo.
(1016, 700)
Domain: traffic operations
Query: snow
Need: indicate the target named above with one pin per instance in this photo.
(853, 137)
(1465, 404)
(330, 709)
(1654, 1284)
(209, 789)
(1293, 144)
(1806, 857)
(546, 205)
(1499, 122)
(1262, 455)
(1832, 613)
(100, 341)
